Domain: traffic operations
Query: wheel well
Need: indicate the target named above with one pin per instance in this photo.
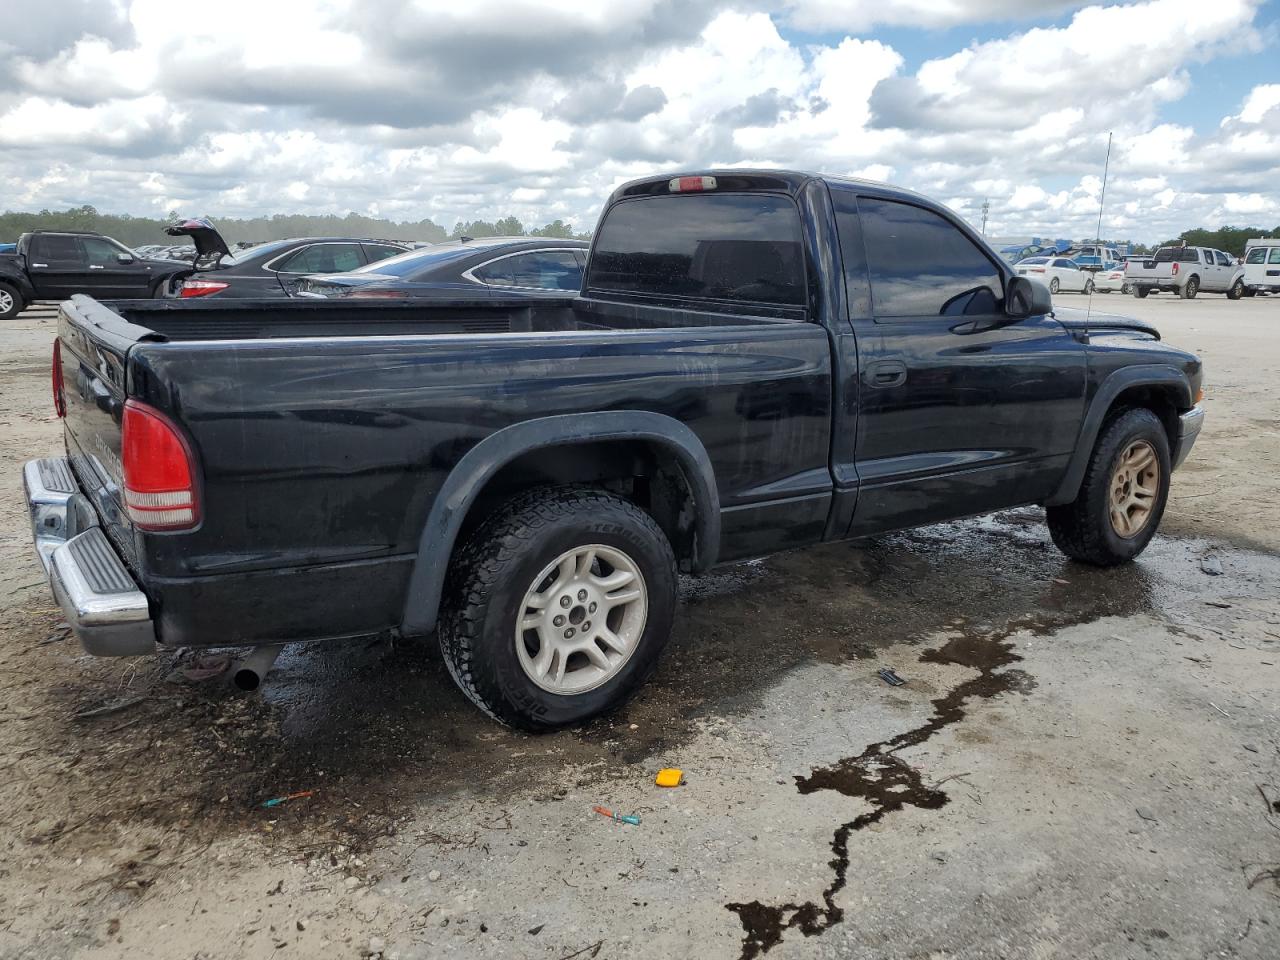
(1161, 401)
(646, 473)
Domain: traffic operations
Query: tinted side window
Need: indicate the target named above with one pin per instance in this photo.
(56, 249)
(853, 253)
(922, 265)
(543, 270)
(737, 247)
(1256, 255)
(379, 251)
(100, 252)
(1223, 260)
(1188, 255)
(1274, 256)
(324, 258)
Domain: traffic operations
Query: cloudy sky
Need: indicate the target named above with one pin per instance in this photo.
(478, 108)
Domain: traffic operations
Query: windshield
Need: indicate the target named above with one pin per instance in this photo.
(409, 265)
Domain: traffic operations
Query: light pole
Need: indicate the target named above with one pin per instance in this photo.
(986, 206)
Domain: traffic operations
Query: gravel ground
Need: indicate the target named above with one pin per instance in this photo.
(1082, 764)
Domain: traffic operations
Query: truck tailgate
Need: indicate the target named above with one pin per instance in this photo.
(93, 376)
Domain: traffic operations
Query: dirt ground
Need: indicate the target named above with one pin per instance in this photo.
(1082, 764)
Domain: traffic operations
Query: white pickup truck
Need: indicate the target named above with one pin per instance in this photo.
(1262, 266)
(1186, 271)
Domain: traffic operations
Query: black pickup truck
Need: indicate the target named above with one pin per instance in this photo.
(53, 264)
(757, 361)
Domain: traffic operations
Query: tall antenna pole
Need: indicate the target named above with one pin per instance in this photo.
(1102, 202)
(986, 205)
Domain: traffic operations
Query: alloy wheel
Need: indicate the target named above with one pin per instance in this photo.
(1135, 483)
(581, 619)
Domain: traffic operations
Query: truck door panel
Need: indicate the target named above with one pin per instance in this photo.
(960, 411)
(56, 265)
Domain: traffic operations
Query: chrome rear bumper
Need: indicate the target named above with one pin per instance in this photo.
(95, 590)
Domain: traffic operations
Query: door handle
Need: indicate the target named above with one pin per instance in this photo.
(39, 264)
(96, 266)
(887, 373)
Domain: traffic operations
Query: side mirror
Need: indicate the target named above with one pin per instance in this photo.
(1027, 298)
(124, 258)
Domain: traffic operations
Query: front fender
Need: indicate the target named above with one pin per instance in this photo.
(466, 481)
(1140, 375)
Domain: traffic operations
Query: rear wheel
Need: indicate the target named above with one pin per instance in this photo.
(558, 607)
(10, 302)
(1122, 496)
(1141, 292)
(1236, 291)
(1191, 288)
(1053, 285)
(1250, 291)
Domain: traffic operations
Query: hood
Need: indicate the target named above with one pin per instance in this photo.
(1073, 318)
(209, 243)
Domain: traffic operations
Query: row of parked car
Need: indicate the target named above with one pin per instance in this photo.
(53, 265)
(1183, 270)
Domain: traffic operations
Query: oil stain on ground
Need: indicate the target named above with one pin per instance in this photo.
(883, 779)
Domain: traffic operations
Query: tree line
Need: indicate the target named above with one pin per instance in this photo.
(136, 231)
(1227, 239)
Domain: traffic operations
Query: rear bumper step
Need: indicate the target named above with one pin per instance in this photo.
(95, 590)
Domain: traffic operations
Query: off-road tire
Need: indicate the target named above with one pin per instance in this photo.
(488, 580)
(13, 299)
(1236, 291)
(1190, 288)
(1141, 292)
(1250, 291)
(1053, 285)
(1082, 529)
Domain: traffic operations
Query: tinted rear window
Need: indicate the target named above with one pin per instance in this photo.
(736, 247)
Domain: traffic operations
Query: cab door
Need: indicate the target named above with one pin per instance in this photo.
(960, 410)
(56, 265)
(114, 271)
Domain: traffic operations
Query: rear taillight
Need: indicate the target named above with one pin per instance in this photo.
(1175, 269)
(59, 387)
(372, 294)
(159, 471)
(201, 288)
(1037, 269)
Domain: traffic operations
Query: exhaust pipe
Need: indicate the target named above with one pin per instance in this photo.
(253, 669)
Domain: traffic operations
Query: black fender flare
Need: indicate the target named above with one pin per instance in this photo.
(479, 465)
(1140, 375)
(20, 283)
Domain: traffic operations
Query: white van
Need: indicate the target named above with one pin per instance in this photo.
(1262, 266)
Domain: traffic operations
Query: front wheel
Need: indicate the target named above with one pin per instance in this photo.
(1053, 285)
(1236, 291)
(558, 607)
(1088, 287)
(1123, 494)
(10, 302)
(1126, 288)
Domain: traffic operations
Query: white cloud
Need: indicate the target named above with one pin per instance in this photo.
(540, 107)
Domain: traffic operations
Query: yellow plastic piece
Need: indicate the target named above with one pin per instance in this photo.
(669, 777)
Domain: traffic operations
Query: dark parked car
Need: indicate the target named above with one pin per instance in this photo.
(54, 264)
(270, 269)
(501, 265)
(758, 360)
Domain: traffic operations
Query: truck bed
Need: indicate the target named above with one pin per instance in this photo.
(178, 321)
